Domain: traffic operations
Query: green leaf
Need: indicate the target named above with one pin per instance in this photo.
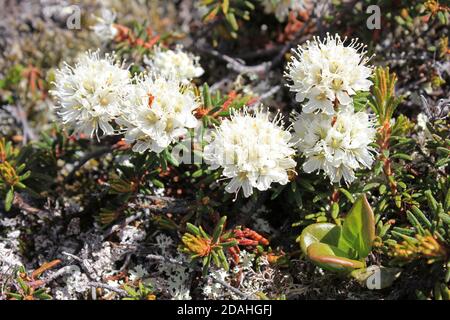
(9, 199)
(206, 96)
(192, 229)
(347, 194)
(225, 6)
(219, 229)
(358, 231)
(319, 232)
(232, 21)
(332, 258)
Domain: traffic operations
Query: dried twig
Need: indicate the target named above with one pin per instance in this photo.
(20, 203)
(54, 275)
(86, 268)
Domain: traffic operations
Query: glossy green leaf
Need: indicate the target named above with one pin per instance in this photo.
(358, 231)
(319, 243)
(319, 232)
(332, 258)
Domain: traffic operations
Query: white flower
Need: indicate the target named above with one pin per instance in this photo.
(253, 151)
(159, 112)
(328, 70)
(338, 144)
(90, 93)
(175, 64)
(281, 8)
(104, 28)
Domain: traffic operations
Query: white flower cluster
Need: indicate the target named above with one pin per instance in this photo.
(175, 64)
(253, 151)
(324, 72)
(329, 133)
(281, 8)
(338, 144)
(158, 112)
(98, 97)
(90, 94)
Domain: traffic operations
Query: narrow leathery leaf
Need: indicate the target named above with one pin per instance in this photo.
(431, 201)
(232, 21)
(225, 6)
(370, 186)
(408, 232)
(15, 296)
(197, 173)
(408, 239)
(25, 176)
(171, 159)
(157, 183)
(223, 260)
(249, 5)
(447, 201)
(384, 230)
(306, 184)
(20, 185)
(447, 273)
(335, 210)
(398, 201)
(9, 199)
(203, 233)
(402, 156)
(437, 291)
(192, 229)
(229, 244)
(206, 264)
(421, 216)
(347, 194)
(206, 96)
(215, 258)
(219, 229)
(445, 218)
(413, 220)
(442, 162)
(22, 284)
